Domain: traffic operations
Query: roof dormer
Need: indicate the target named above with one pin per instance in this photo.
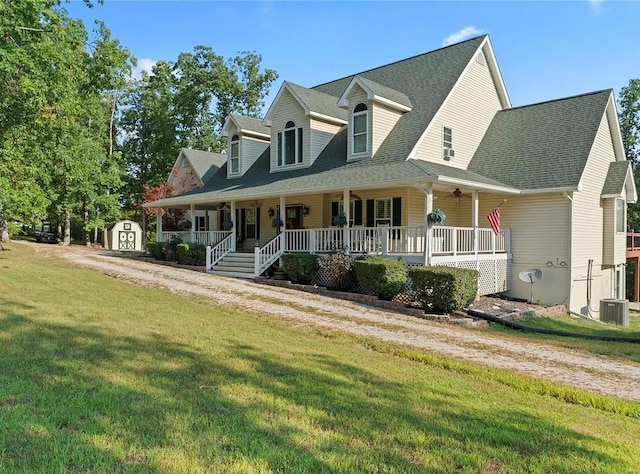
(303, 121)
(373, 111)
(247, 139)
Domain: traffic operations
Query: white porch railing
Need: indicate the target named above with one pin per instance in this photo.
(211, 237)
(397, 240)
(219, 251)
(267, 255)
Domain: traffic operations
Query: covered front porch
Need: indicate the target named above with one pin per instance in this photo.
(392, 222)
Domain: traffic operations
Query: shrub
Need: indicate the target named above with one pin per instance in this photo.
(191, 254)
(382, 276)
(155, 250)
(170, 248)
(444, 289)
(337, 271)
(300, 267)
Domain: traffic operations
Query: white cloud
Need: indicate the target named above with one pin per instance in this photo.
(144, 64)
(463, 34)
(596, 5)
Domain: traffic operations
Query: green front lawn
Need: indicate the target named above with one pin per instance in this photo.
(98, 375)
(573, 324)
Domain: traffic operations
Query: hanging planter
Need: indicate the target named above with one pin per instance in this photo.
(339, 220)
(275, 223)
(436, 217)
(227, 225)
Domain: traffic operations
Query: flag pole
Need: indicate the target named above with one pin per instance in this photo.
(499, 205)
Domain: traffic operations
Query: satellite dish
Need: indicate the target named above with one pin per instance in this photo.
(530, 275)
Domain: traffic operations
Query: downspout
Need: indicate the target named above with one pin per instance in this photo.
(570, 262)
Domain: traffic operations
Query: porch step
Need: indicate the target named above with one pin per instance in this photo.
(235, 265)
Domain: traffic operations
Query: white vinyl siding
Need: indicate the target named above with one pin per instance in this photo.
(468, 111)
(540, 231)
(321, 134)
(383, 119)
(184, 178)
(288, 109)
(251, 148)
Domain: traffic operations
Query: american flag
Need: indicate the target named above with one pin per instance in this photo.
(494, 220)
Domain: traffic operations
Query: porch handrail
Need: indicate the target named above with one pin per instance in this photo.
(265, 256)
(165, 236)
(219, 251)
(209, 237)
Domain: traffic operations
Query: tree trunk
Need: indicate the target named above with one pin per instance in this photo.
(95, 235)
(67, 228)
(87, 235)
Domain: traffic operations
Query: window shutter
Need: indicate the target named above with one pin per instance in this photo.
(220, 219)
(371, 220)
(397, 211)
(243, 221)
(258, 223)
(357, 212)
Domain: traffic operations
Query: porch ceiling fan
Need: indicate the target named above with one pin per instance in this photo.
(457, 194)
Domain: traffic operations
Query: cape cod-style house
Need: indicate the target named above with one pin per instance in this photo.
(360, 163)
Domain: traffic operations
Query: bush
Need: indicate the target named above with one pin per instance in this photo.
(444, 289)
(300, 267)
(170, 248)
(337, 271)
(382, 276)
(191, 254)
(155, 250)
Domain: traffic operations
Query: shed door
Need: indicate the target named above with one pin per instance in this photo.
(126, 240)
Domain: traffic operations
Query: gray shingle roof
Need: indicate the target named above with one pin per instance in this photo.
(426, 80)
(248, 123)
(328, 171)
(543, 145)
(616, 178)
(387, 92)
(319, 102)
(205, 164)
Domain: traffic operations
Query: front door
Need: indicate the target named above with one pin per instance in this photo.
(294, 217)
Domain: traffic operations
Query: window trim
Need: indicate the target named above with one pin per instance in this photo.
(447, 144)
(619, 221)
(298, 145)
(375, 212)
(235, 142)
(354, 115)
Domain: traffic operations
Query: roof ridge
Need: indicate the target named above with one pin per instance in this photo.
(558, 99)
(401, 60)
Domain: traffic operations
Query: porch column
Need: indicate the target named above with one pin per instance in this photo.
(283, 217)
(158, 224)
(428, 235)
(234, 227)
(474, 218)
(192, 218)
(346, 205)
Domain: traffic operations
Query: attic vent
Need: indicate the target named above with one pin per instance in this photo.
(480, 59)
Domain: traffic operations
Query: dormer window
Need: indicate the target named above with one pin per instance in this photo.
(234, 155)
(360, 126)
(289, 145)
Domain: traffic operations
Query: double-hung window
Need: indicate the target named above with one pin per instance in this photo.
(360, 129)
(382, 212)
(289, 143)
(234, 155)
(447, 138)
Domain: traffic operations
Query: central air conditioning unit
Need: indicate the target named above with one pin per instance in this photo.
(449, 153)
(614, 311)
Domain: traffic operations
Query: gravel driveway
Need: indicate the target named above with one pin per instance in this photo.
(595, 373)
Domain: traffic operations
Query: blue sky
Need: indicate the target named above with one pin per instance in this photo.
(545, 49)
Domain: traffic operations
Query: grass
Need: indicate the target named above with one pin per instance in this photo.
(103, 376)
(572, 324)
